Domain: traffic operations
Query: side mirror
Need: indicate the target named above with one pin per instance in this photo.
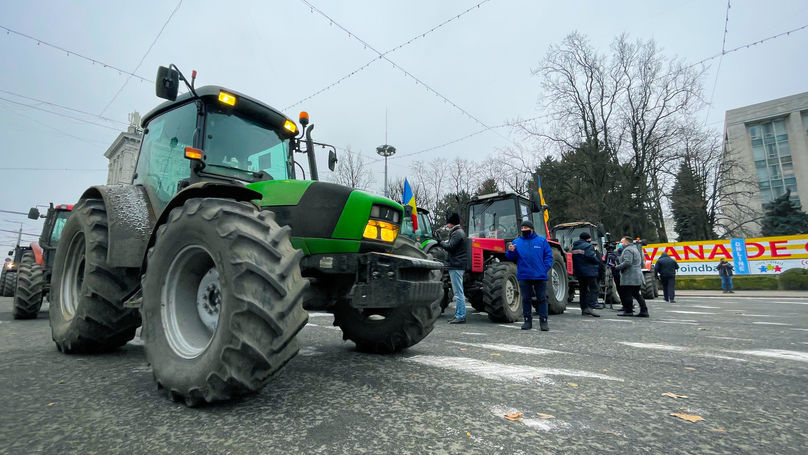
(332, 159)
(33, 213)
(11, 252)
(167, 83)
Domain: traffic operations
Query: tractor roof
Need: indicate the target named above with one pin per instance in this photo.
(574, 224)
(244, 103)
(501, 194)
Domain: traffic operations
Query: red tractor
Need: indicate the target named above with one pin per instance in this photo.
(34, 263)
(492, 221)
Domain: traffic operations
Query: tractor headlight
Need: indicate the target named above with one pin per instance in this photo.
(381, 230)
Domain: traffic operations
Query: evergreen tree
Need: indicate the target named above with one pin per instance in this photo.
(784, 217)
(689, 207)
(487, 186)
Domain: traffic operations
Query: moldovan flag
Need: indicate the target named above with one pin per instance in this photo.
(541, 199)
(409, 199)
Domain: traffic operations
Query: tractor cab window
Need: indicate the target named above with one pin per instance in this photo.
(58, 225)
(424, 228)
(162, 163)
(567, 237)
(424, 225)
(239, 147)
(494, 219)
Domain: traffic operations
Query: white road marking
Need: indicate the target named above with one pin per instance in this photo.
(777, 354)
(728, 338)
(793, 303)
(533, 423)
(769, 323)
(679, 322)
(510, 348)
(473, 333)
(803, 330)
(687, 312)
(618, 320)
(658, 346)
(511, 326)
(573, 309)
(719, 356)
(309, 351)
(703, 306)
(503, 372)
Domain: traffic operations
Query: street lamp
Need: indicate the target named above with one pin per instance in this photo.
(385, 151)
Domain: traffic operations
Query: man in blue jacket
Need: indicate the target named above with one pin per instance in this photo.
(534, 260)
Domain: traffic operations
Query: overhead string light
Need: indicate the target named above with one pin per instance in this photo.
(69, 52)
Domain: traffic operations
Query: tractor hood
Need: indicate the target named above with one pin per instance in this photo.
(326, 217)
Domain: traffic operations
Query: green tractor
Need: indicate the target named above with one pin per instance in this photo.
(218, 250)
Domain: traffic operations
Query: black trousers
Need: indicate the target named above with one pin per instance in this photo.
(668, 287)
(588, 289)
(627, 296)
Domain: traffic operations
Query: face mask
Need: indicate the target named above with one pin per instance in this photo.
(526, 233)
(619, 246)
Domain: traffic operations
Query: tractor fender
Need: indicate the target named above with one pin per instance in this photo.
(199, 190)
(427, 245)
(129, 222)
(38, 258)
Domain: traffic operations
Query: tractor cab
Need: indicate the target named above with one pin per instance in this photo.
(213, 134)
(424, 231)
(500, 216)
(567, 233)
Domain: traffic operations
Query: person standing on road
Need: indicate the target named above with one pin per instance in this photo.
(586, 267)
(455, 246)
(725, 272)
(534, 259)
(665, 270)
(631, 279)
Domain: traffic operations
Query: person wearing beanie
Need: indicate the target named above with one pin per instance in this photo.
(534, 260)
(586, 267)
(455, 247)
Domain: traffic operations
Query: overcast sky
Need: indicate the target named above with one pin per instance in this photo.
(283, 52)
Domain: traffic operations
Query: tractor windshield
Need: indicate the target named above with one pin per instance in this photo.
(239, 147)
(61, 219)
(424, 227)
(493, 219)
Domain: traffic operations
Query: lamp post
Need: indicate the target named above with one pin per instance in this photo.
(385, 151)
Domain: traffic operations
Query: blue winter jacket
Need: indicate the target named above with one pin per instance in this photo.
(534, 257)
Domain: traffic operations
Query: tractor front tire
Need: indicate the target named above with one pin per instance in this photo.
(222, 301)
(86, 298)
(389, 330)
(557, 285)
(9, 279)
(649, 288)
(501, 293)
(30, 284)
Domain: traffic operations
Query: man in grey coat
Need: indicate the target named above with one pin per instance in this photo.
(631, 278)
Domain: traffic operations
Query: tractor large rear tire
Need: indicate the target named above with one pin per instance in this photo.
(30, 283)
(389, 330)
(557, 285)
(501, 294)
(222, 301)
(86, 297)
(649, 288)
(9, 280)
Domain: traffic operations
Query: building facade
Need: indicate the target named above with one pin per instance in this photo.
(122, 154)
(768, 142)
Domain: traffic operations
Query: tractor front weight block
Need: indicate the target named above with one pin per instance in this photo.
(389, 281)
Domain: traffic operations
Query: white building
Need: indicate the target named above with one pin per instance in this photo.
(122, 154)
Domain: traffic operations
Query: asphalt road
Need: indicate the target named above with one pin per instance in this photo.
(587, 386)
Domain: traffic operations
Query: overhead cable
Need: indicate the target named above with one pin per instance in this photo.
(374, 60)
(142, 58)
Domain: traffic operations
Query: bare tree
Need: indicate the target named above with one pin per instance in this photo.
(353, 170)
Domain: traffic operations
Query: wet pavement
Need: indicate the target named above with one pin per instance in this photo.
(606, 385)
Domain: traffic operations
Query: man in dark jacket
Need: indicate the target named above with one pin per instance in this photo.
(534, 260)
(665, 270)
(585, 267)
(725, 272)
(455, 246)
